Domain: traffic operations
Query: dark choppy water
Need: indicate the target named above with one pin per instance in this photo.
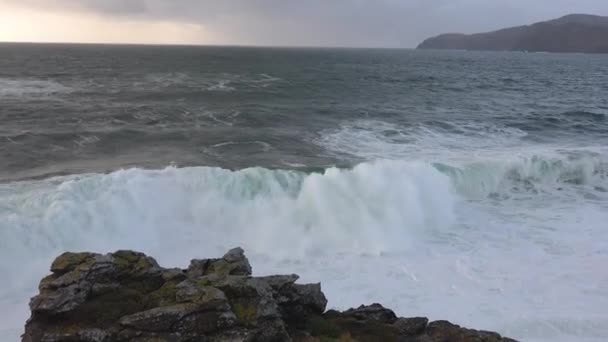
(469, 186)
(71, 109)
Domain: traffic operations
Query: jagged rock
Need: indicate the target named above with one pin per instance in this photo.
(127, 296)
(278, 282)
(62, 300)
(297, 301)
(236, 257)
(232, 263)
(446, 331)
(374, 312)
(157, 319)
(411, 326)
(199, 267)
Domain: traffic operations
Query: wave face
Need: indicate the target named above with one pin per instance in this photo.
(373, 207)
(369, 208)
(568, 173)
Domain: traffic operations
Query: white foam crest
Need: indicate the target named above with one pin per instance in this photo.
(217, 82)
(481, 159)
(30, 87)
(373, 208)
(220, 85)
(388, 231)
(373, 139)
(568, 173)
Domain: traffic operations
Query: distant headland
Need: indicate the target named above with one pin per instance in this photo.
(581, 33)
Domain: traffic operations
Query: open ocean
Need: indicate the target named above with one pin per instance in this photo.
(466, 186)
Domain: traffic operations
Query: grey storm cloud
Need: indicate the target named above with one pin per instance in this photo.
(393, 23)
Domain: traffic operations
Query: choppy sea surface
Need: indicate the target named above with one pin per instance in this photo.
(466, 186)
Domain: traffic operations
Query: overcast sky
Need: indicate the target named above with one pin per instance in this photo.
(357, 23)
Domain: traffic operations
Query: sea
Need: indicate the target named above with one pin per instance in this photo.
(466, 186)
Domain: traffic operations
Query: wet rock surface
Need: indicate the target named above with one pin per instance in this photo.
(127, 296)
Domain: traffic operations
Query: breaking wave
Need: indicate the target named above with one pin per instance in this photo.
(371, 208)
(376, 207)
(535, 174)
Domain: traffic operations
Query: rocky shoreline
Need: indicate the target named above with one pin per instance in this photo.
(127, 296)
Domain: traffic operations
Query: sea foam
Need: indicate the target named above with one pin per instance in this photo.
(410, 234)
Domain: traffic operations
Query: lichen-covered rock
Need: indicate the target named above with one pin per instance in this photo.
(239, 263)
(297, 301)
(157, 319)
(127, 296)
(67, 262)
(233, 262)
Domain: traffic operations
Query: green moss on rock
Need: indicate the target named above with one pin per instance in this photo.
(166, 294)
(130, 260)
(67, 262)
(44, 283)
(220, 267)
(319, 326)
(245, 312)
(204, 281)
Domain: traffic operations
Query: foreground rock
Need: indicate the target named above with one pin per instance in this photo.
(127, 296)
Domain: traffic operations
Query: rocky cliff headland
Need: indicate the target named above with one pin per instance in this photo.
(571, 33)
(127, 296)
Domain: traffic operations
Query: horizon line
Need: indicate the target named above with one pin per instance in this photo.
(214, 45)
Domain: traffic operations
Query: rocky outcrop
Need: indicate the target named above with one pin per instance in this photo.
(572, 33)
(127, 296)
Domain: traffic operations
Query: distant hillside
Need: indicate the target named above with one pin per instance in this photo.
(572, 33)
